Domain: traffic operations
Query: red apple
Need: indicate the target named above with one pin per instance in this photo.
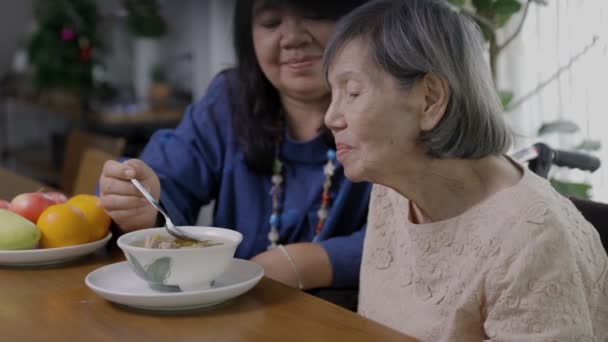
(58, 197)
(4, 204)
(31, 205)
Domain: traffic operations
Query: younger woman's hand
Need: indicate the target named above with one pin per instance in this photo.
(121, 200)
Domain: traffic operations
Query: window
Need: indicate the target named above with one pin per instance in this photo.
(563, 49)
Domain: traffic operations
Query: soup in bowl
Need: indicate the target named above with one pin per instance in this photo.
(166, 263)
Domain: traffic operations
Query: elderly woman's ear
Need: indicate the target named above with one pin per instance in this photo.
(436, 91)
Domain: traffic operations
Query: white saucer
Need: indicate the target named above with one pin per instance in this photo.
(117, 283)
(49, 256)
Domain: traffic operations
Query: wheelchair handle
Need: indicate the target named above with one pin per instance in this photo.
(576, 160)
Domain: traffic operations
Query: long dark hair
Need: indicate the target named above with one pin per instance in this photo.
(257, 111)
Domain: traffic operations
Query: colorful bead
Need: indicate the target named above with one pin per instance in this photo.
(277, 166)
(273, 237)
(325, 196)
(319, 228)
(277, 179)
(274, 220)
(322, 213)
(331, 154)
(276, 191)
(329, 169)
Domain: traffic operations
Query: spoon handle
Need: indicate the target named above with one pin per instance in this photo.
(146, 194)
(171, 228)
(151, 199)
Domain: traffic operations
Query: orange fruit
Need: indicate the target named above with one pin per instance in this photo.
(63, 225)
(95, 214)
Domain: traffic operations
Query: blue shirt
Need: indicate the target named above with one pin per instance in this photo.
(201, 160)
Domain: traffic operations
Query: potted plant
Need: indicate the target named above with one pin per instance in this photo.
(147, 26)
(491, 16)
(159, 90)
(63, 48)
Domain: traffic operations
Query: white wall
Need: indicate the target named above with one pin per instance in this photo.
(211, 41)
(15, 18)
(556, 36)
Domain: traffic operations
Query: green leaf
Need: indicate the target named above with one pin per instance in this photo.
(558, 126)
(457, 2)
(540, 2)
(159, 270)
(589, 145)
(509, 7)
(502, 19)
(144, 18)
(504, 10)
(137, 267)
(505, 97)
(482, 5)
(570, 188)
(486, 31)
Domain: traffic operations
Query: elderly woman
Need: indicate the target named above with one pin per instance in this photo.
(463, 243)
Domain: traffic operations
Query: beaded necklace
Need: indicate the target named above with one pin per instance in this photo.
(276, 193)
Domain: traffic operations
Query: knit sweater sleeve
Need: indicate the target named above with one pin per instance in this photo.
(544, 284)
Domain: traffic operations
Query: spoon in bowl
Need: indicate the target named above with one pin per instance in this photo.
(169, 226)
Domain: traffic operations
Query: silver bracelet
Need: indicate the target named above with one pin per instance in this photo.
(293, 266)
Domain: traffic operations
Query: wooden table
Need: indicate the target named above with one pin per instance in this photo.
(54, 304)
(12, 184)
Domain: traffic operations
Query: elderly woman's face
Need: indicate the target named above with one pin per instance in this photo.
(289, 48)
(375, 121)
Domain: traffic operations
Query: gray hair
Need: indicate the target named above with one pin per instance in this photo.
(410, 38)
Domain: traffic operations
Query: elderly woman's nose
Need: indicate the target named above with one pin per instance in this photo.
(333, 119)
(294, 33)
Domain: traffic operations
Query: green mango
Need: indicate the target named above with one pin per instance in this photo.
(17, 232)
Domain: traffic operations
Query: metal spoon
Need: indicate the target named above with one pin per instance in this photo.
(169, 226)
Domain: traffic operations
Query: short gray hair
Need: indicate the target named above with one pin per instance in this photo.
(410, 38)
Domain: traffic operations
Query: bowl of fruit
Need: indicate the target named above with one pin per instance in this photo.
(42, 228)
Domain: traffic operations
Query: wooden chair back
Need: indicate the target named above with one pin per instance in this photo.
(78, 142)
(90, 169)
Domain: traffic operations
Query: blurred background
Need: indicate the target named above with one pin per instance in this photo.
(106, 68)
(105, 74)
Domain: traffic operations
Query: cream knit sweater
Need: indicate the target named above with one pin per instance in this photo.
(524, 265)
